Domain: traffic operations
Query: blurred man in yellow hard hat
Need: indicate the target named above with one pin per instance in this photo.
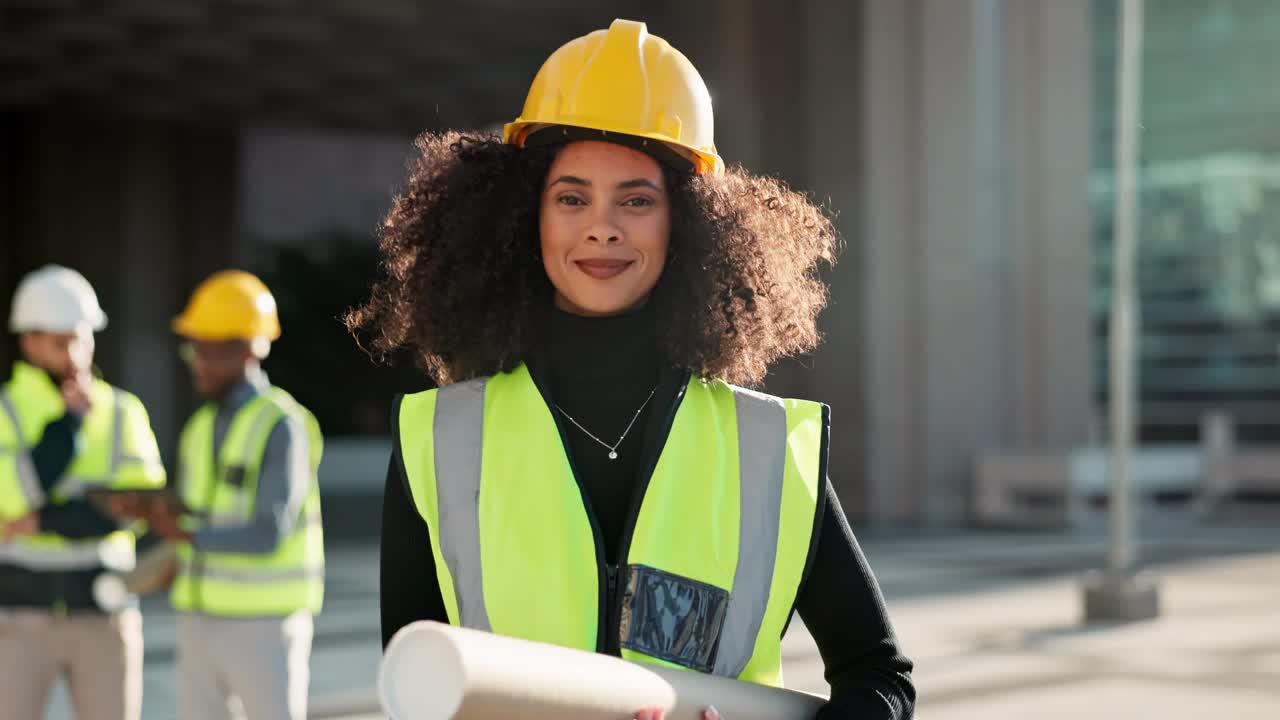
(250, 571)
(62, 433)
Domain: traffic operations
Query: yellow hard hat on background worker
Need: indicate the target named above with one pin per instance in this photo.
(623, 80)
(231, 305)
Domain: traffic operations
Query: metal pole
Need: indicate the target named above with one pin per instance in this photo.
(1119, 593)
(1124, 304)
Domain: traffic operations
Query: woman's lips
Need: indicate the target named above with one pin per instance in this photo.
(603, 269)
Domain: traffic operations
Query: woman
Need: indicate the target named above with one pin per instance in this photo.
(582, 291)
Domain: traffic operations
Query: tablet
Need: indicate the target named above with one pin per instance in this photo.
(100, 496)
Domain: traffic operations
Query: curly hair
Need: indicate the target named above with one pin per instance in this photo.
(462, 278)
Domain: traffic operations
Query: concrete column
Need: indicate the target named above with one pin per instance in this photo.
(1063, 347)
(14, 222)
(150, 250)
(208, 236)
(755, 65)
(831, 116)
(787, 104)
(974, 233)
(143, 210)
(726, 60)
(961, 248)
(890, 244)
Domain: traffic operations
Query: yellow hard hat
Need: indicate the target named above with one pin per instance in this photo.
(623, 80)
(230, 305)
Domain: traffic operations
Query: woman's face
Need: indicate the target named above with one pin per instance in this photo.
(605, 222)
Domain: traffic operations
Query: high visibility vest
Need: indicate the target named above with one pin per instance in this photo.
(115, 449)
(718, 547)
(290, 578)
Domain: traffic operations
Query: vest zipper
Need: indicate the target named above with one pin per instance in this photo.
(609, 575)
(611, 571)
(210, 497)
(653, 452)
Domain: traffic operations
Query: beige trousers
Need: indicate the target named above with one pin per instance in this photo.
(99, 655)
(251, 668)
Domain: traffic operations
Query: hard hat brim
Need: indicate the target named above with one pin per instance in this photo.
(97, 324)
(521, 130)
(183, 326)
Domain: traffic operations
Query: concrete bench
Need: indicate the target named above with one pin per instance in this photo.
(1242, 483)
(1066, 488)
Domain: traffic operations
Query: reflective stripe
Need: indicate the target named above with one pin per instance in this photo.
(209, 570)
(28, 481)
(74, 486)
(125, 459)
(222, 520)
(762, 454)
(117, 432)
(70, 556)
(310, 521)
(252, 451)
(458, 435)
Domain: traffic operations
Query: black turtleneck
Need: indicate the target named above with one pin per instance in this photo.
(599, 371)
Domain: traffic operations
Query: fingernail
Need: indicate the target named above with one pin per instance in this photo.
(712, 713)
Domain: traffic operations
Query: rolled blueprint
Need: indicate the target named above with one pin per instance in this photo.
(432, 671)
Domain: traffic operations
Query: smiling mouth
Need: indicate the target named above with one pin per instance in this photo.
(603, 269)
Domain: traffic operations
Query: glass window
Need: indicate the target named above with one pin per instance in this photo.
(1209, 233)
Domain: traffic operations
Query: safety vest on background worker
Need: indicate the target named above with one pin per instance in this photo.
(243, 585)
(116, 450)
(719, 544)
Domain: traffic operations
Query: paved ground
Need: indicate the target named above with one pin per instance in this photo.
(1014, 646)
(992, 621)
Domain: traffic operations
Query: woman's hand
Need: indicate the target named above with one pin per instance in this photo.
(655, 714)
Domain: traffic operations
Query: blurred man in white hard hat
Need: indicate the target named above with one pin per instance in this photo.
(63, 432)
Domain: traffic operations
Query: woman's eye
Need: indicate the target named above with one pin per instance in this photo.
(572, 200)
(639, 201)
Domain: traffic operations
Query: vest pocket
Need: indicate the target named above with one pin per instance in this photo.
(235, 476)
(672, 618)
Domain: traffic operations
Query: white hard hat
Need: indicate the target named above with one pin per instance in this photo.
(55, 299)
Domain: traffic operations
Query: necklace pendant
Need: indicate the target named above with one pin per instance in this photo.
(613, 454)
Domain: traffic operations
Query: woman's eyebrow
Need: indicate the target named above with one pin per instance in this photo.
(570, 180)
(624, 185)
(637, 183)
